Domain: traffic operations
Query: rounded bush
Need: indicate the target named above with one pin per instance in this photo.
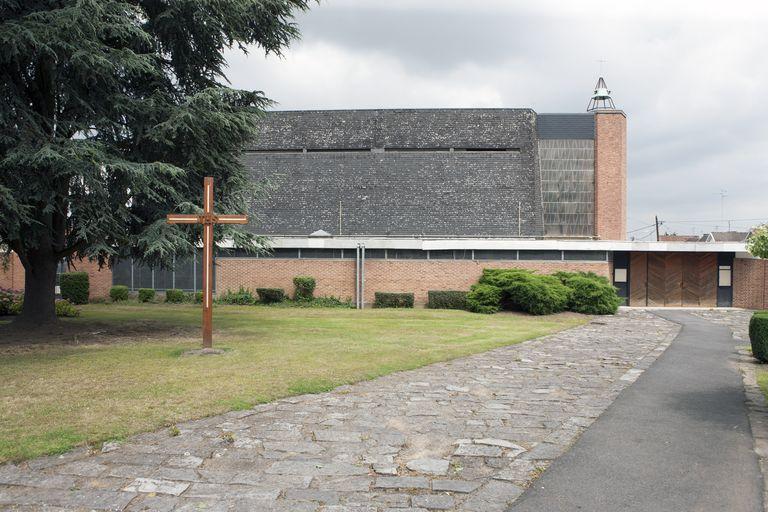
(537, 295)
(592, 296)
(118, 293)
(758, 335)
(64, 308)
(270, 295)
(198, 297)
(304, 287)
(8, 301)
(175, 296)
(74, 287)
(484, 298)
(146, 294)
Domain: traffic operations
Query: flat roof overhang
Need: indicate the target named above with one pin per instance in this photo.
(434, 244)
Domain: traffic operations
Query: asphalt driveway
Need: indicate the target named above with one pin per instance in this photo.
(676, 440)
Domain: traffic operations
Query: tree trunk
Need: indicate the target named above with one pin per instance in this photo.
(39, 291)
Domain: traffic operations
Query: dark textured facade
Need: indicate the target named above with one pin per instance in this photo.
(441, 172)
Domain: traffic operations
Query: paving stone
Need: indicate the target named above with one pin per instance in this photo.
(402, 482)
(429, 466)
(149, 485)
(297, 467)
(477, 450)
(462, 486)
(433, 501)
(341, 451)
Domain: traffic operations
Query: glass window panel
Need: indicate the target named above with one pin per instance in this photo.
(441, 255)
(463, 254)
(540, 255)
(184, 274)
(585, 255)
(142, 276)
(121, 273)
(283, 253)
(163, 279)
(724, 276)
(620, 275)
(374, 254)
(486, 254)
(312, 253)
(406, 254)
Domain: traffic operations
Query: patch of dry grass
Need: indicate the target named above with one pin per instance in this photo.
(54, 396)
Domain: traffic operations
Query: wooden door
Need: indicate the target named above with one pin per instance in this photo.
(702, 280)
(638, 279)
(657, 289)
(673, 284)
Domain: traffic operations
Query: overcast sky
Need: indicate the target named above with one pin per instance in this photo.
(691, 76)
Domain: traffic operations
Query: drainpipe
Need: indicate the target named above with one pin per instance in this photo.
(357, 277)
(362, 276)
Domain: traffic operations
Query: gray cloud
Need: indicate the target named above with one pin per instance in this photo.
(688, 74)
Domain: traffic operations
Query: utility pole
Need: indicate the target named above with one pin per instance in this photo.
(657, 227)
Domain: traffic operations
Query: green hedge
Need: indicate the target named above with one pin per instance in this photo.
(9, 300)
(590, 294)
(198, 297)
(524, 290)
(270, 295)
(758, 335)
(146, 294)
(242, 297)
(74, 287)
(484, 298)
(66, 309)
(393, 300)
(118, 293)
(175, 296)
(304, 287)
(447, 299)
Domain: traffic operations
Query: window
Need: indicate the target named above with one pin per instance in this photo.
(619, 275)
(406, 254)
(491, 254)
(540, 255)
(585, 256)
(724, 275)
(320, 253)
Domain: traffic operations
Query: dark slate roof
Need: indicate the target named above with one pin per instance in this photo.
(565, 126)
(729, 236)
(394, 173)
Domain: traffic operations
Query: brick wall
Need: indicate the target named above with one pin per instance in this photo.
(611, 175)
(337, 277)
(100, 281)
(12, 275)
(750, 278)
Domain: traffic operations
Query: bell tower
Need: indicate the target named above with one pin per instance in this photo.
(610, 165)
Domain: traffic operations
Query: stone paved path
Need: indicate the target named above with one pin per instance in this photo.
(468, 434)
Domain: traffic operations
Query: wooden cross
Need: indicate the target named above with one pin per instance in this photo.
(207, 219)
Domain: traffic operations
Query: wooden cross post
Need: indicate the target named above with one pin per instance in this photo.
(207, 219)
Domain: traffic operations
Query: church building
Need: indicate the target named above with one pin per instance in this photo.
(413, 200)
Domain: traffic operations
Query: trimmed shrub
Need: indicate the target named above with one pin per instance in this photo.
(393, 300)
(447, 299)
(270, 295)
(536, 294)
(74, 287)
(175, 296)
(484, 298)
(118, 293)
(592, 296)
(146, 294)
(198, 297)
(242, 297)
(758, 335)
(66, 309)
(304, 287)
(8, 301)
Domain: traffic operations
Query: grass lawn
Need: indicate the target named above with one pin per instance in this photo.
(120, 369)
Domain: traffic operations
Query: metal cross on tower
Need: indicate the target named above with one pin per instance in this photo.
(207, 219)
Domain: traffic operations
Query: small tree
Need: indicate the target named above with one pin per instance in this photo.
(757, 243)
